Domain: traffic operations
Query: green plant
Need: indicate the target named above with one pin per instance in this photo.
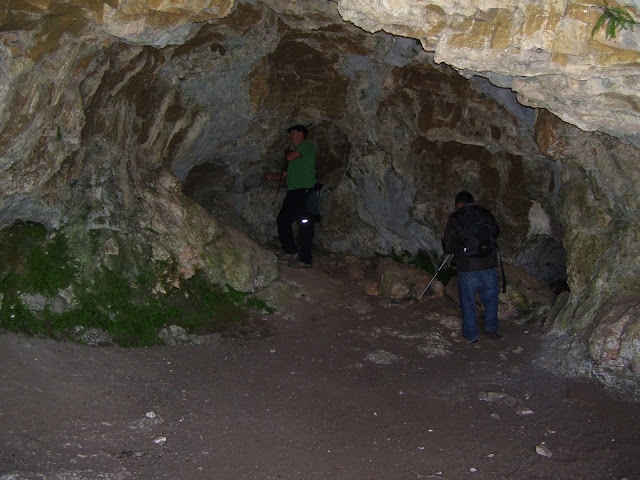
(616, 19)
(17, 317)
(111, 302)
(33, 262)
(120, 302)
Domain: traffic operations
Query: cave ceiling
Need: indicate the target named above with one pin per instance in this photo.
(543, 51)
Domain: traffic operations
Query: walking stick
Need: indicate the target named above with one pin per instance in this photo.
(434, 277)
(284, 167)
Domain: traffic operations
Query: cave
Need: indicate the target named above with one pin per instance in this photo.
(136, 121)
(135, 141)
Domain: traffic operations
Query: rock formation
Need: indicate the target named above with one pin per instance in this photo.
(152, 125)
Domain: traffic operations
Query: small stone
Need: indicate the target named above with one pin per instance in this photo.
(382, 357)
(150, 414)
(524, 411)
(491, 396)
(543, 450)
(160, 440)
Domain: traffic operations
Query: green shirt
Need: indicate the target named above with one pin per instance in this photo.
(301, 172)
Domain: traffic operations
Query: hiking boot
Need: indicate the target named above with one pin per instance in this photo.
(493, 335)
(297, 263)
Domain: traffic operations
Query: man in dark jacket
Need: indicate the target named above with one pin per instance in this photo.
(470, 235)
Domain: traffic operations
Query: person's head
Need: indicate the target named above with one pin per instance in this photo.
(297, 134)
(463, 198)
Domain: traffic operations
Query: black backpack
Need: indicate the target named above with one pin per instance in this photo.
(478, 231)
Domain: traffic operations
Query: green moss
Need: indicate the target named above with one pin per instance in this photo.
(585, 252)
(118, 301)
(112, 303)
(33, 261)
(94, 240)
(259, 305)
(15, 316)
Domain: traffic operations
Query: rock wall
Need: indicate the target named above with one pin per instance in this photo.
(600, 212)
(88, 130)
(544, 51)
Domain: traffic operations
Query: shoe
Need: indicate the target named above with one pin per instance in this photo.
(475, 340)
(299, 264)
(288, 257)
(493, 335)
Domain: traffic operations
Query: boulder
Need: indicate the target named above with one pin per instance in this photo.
(241, 263)
(614, 344)
(399, 282)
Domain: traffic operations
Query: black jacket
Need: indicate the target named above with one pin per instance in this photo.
(453, 240)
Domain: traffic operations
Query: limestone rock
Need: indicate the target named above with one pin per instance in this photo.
(599, 212)
(278, 295)
(92, 336)
(173, 335)
(544, 52)
(169, 212)
(530, 287)
(160, 23)
(404, 282)
(614, 344)
(237, 260)
(382, 357)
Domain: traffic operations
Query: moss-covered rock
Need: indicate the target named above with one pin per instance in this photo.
(61, 285)
(237, 260)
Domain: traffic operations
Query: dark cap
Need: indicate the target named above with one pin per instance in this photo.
(298, 128)
(464, 197)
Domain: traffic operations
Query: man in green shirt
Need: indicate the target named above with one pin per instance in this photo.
(300, 175)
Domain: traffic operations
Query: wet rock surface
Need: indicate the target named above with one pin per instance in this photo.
(309, 392)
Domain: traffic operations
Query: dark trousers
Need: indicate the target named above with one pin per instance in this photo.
(294, 209)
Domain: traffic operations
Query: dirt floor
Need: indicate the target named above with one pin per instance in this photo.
(339, 386)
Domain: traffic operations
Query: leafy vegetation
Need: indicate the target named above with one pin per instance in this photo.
(36, 263)
(616, 19)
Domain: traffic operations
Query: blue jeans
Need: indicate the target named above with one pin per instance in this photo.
(485, 282)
